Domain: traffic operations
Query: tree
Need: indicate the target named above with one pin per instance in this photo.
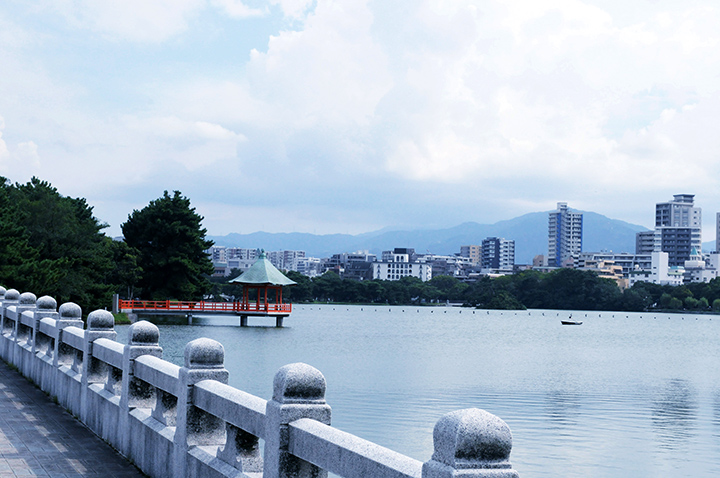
(716, 305)
(302, 292)
(171, 242)
(68, 257)
(20, 264)
(127, 271)
(675, 304)
(505, 301)
(703, 303)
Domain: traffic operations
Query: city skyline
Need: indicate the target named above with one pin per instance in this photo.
(321, 117)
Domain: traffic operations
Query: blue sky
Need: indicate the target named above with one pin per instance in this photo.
(350, 116)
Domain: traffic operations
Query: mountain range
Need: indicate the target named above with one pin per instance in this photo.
(529, 231)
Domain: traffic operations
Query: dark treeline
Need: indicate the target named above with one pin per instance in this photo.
(52, 245)
(567, 289)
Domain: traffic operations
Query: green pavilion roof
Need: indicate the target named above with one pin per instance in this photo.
(263, 273)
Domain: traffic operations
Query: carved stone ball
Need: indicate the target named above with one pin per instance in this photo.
(144, 333)
(27, 298)
(472, 438)
(204, 353)
(70, 310)
(299, 382)
(46, 303)
(100, 320)
(12, 294)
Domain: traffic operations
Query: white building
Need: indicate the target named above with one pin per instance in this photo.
(697, 269)
(454, 266)
(397, 270)
(399, 263)
(659, 273)
(565, 229)
(309, 266)
(678, 229)
(628, 262)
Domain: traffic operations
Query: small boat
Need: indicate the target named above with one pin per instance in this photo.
(570, 321)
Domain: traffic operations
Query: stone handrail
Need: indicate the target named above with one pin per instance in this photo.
(187, 421)
(321, 445)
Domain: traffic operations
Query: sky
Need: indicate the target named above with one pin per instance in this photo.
(351, 116)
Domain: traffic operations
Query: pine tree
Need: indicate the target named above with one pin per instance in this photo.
(171, 242)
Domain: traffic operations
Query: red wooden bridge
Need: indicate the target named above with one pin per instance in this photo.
(262, 277)
(244, 309)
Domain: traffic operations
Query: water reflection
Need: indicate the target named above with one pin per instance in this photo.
(716, 414)
(674, 413)
(563, 408)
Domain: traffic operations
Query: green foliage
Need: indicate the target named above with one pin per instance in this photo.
(716, 305)
(121, 319)
(171, 243)
(127, 271)
(636, 299)
(52, 244)
(504, 300)
(691, 303)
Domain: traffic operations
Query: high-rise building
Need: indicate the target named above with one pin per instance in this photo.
(498, 253)
(678, 229)
(564, 235)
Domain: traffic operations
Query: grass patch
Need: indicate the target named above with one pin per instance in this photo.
(121, 318)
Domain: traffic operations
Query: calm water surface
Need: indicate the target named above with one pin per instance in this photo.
(621, 395)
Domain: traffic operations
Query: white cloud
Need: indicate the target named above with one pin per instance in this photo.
(3, 147)
(174, 127)
(19, 162)
(238, 9)
(331, 71)
(194, 144)
(581, 99)
(294, 9)
(133, 20)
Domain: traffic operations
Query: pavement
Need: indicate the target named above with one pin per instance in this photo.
(40, 438)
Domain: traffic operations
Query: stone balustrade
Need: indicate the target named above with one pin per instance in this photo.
(186, 421)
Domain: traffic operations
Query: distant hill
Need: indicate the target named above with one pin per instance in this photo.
(529, 231)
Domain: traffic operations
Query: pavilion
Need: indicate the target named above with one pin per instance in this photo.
(262, 276)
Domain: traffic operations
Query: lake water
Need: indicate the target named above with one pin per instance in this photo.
(624, 394)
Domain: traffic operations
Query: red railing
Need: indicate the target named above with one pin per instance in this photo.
(202, 306)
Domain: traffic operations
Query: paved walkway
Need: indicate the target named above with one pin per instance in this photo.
(39, 438)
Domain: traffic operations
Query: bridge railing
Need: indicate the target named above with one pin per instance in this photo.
(187, 421)
(202, 306)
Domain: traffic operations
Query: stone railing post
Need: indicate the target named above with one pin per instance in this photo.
(46, 309)
(298, 392)
(100, 325)
(143, 339)
(470, 443)
(204, 360)
(70, 316)
(26, 302)
(10, 298)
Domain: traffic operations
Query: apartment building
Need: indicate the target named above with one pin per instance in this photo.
(565, 230)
